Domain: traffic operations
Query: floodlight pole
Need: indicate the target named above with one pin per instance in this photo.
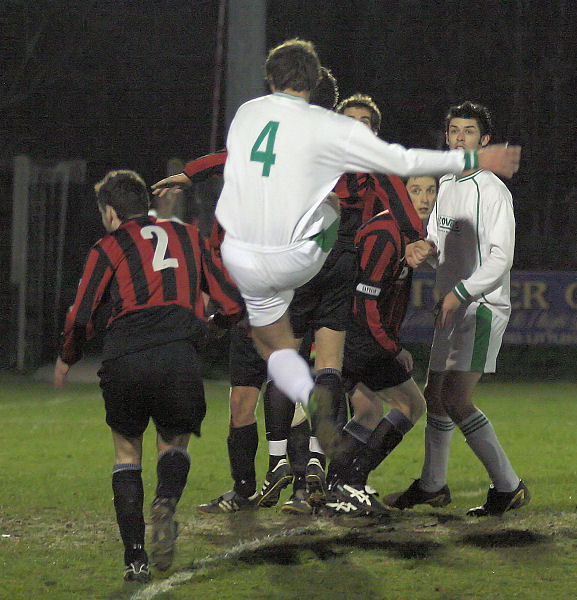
(246, 47)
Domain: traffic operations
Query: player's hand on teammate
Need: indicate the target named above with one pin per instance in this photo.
(502, 159)
(406, 359)
(417, 252)
(60, 372)
(445, 310)
(174, 182)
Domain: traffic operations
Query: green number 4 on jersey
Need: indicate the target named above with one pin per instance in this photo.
(267, 156)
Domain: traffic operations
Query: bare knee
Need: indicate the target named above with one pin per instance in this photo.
(166, 442)
(329, 346)
(243, 401)
(457, 394)
(433, 393)
(407, 398)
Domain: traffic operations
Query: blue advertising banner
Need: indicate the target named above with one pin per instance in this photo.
(544, 308)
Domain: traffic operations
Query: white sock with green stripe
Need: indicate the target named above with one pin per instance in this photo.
(438, 435)
(481, 437)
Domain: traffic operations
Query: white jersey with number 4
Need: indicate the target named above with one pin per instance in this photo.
(285, 156)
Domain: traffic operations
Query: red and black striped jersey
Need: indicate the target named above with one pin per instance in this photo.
(150, 273)
(383, 284)
(230, 293)
(364, 195)
(210, 165)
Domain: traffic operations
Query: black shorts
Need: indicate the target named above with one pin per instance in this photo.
(366, 362)
(246, 366)
(325, 301)
(162, 383)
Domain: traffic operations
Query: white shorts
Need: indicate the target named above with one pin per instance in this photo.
(472, 344)
(267, 277)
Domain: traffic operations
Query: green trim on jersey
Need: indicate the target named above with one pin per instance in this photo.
(460, 178)
(477, 227)
(477, 223)
(327, 237)
(483, 320)
(471, 160)
(461, 292)
(290, 96)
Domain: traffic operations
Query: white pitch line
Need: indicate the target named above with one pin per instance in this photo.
(154, 589)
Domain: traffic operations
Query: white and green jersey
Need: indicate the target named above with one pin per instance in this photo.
(285, 156)
(473, 227)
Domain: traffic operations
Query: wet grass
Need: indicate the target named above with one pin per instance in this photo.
(59, 538)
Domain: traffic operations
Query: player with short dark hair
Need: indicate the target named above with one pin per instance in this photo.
(326, 92)
(473, 227)
(471, 110)
(423, 194)
(293, 65)
(150, 273)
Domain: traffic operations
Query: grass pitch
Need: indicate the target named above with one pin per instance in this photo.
(59, 538)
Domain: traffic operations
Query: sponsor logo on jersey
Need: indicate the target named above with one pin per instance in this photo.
(368, 289)
(448, 224)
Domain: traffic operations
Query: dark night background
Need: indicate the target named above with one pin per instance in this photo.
(129, 84)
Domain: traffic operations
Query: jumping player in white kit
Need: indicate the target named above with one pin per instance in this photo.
(284, 157)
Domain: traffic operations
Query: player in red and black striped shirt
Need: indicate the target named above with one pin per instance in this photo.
(376, 368)
(149, 273)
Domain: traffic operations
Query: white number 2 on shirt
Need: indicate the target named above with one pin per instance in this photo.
(159, 260)
(267, 157)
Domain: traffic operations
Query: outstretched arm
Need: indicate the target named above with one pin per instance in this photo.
(174, 182)
(199, 169)
(364, 152)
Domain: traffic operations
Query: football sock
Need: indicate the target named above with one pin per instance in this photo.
(482, 439)
(172, 471)
(291, 374)
(316, 451)
(438, 434)
(135, 552)
(298, 448)
(278, 413)
(386, 436)
(332, 379)
(398, 420)
(128, 500)
(353, 441)
(276, 452)
(358, 431)
(242, 445)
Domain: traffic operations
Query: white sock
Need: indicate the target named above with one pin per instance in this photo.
(481, 437)
(277, 447)
(291, 374)
(314, 445)
(438, 435)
